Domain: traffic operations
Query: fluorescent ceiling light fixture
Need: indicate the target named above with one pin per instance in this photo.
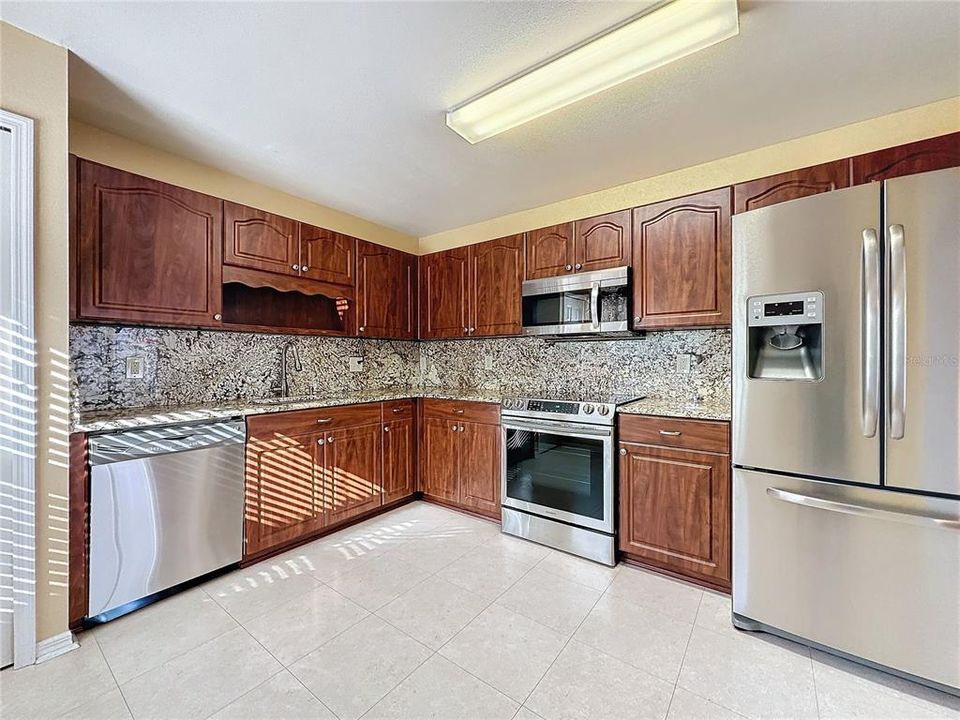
(659, 36)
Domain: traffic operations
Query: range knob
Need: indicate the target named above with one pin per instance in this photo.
(603, 410)
(587, 409)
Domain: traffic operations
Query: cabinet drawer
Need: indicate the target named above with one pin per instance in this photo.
(397, 410)
(478, 412)
(306, 421)
(705, 435)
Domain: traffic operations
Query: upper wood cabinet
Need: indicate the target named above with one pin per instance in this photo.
(147, 252)
(603, 242)
(922, 156)
(550, 251)
(327, 255)
(495, 281)
(445, 294)
(260, 240)
(791, 185)
(681, 261)
(386, 292)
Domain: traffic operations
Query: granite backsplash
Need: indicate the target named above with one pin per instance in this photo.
(184, 367)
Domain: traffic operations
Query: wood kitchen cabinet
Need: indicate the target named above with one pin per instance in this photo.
(399, 450)
(386, 292)
(603, 242)
(445, 294)
(352, 472)
(791, 185)
(326, 255)
(922, 156)
(260, 240)
(460, 455)
(146, 252)
(549, 251)
(675, 496)
(681, 262)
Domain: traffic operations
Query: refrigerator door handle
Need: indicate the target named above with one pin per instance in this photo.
(862, 510)
(870, 333)
(898, 332)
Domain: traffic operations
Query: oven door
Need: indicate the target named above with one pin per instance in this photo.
(562, 471)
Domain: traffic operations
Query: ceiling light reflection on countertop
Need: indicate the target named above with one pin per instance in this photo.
(651, 40)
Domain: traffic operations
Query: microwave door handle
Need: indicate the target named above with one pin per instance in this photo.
(870, 333)
(595, 305)
(898, 333)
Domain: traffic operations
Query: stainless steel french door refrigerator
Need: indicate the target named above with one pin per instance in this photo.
(846, 423)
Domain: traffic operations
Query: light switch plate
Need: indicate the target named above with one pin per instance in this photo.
(135, 367)
(488, 362)
(356, 364)
(683, 362)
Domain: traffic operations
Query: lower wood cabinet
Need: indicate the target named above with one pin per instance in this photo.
(399, 450)
(460, 460)
(351, 472)
(675, 496)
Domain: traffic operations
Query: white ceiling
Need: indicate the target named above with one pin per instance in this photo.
(342, 103)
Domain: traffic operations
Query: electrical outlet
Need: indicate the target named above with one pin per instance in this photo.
(135, 367)
(488, 362)
(356, 364)
(683, 362)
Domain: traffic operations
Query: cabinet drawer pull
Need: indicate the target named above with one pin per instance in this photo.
(324, 421)
(459, 412)
(397, 410)
(671, 433)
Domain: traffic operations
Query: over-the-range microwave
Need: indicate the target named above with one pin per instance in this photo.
(588, 303)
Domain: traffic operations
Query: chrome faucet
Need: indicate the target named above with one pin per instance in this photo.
(297, 365)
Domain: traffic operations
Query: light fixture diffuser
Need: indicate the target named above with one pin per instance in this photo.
(655, 38)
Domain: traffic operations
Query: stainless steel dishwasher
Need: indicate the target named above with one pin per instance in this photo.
(166, 506)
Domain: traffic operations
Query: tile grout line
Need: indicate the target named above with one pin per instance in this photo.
(686, 647)
(110, 668)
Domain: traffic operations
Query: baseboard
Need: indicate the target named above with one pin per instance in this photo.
(55, 646)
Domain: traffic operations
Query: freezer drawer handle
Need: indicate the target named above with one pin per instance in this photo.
(870, 338)
(898, 333)
(862, 510)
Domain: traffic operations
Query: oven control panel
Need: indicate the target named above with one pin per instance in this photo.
(568, 410)
(553, 406)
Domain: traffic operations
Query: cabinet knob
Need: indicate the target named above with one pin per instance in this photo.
(472, 330)
(623, 451)
(397, 410)
(361, 328)
(466, 330)
(330, 439)
(453, 428)
(568, 268)
(636, 319)
(321, 441)
(218, 317)
(295, 267)
(579, 265)
(386, 428)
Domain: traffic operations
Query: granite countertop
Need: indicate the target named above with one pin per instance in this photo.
(672, 407)
(129, 418)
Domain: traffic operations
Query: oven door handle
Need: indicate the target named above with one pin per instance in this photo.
(558, 428)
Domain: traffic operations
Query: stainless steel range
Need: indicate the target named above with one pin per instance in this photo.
(558, 473)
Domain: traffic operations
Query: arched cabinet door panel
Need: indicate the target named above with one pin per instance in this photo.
(550, 251)
(603, 242)
(260, 240)
(791, 185)
(327, 255)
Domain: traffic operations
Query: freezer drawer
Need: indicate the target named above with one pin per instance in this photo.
(159, 521)
(872, 573)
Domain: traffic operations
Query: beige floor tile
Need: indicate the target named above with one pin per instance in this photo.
(850, 690)
(578, 570)
(142, 640)
(252, 591)
(687, 706)
(505, 649)
(56, 686)
(435, 552)
(352, 672)
(484, 573)
(647, 589)
(750, 675)
(372, 585)
(639, 636)
(332, 557)
(550, 600)
(585, 684)
(201, 681)
(525, 713)
(522, 551)
(433, 611)
(714, 613)
(439, 690)
(109, 706)
(281, 697)
(293, 629)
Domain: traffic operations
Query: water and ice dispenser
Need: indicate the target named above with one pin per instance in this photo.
(785, 336)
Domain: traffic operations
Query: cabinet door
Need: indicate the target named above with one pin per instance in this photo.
(283, 495)
(352, 472)
(921, 156)
(439, 461)
(445, 294)
(480, 468)
(147, 252)
(681, 260)
(550, 251)
(497, 276)
(603, 242)
(327, 255)
(675, 510)
(386, 292)
(398, 459)
(259, 240)
(791, 185)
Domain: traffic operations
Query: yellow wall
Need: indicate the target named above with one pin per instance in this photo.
(937, 118)
(93, 143)
(33, 83)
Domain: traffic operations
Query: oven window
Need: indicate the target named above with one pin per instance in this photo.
(556, 471)
(562, 308)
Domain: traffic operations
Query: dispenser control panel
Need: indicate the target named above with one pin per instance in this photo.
(801, 308)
